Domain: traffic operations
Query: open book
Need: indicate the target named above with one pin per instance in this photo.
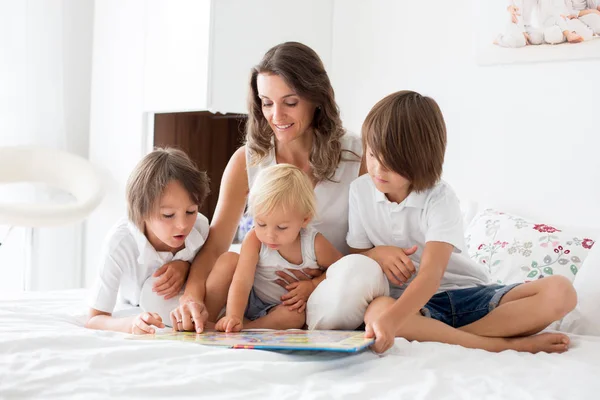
(341, 341)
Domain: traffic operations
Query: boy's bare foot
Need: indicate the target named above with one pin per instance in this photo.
(543, 342)
(572, 37)
(527, 38)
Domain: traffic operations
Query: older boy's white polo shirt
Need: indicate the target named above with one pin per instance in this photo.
(128, 259)
(431, 215)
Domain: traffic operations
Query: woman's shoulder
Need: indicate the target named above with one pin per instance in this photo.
(353, 143)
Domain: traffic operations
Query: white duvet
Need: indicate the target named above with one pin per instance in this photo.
(45, 352)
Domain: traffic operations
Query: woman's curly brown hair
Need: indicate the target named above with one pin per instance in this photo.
(302, 70)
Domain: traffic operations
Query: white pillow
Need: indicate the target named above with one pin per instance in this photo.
(514, 249)
(585, 318)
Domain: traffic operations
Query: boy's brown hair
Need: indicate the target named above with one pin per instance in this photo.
(153, 173)
(406, 132)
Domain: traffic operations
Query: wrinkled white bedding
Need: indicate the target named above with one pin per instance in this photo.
(45, 352)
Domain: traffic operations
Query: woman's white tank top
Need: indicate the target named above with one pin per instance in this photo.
(332, 196)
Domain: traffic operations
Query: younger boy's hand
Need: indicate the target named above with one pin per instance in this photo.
(172, 278)
(297, 295)
(383, 331)
(229, 324)
(142, 324)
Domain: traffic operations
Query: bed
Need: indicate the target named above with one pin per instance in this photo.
(46, 352)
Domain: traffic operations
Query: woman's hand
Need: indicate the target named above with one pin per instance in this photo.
(298, 294)
(394, 262)
(295, 275)
(172, 278)
(189, 315)
(142, 324)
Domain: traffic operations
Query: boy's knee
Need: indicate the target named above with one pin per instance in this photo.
(561, 294)
(341, 300)
(377, 307)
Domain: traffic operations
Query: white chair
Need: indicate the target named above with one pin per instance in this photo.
(56, 168)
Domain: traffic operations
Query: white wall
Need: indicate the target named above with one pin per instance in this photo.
(176, 55)
(117, 116)
(242, 33)
(522, 137)
(45, 51)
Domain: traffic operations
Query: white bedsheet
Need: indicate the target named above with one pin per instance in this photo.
(45, 352)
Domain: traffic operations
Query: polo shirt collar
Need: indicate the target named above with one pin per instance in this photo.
(414, 199)
(147, 252)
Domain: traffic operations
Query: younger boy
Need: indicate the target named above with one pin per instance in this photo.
(148, 256)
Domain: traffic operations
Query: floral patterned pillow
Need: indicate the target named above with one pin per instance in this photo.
(517, 250)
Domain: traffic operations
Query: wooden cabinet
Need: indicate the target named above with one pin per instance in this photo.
(209, 139)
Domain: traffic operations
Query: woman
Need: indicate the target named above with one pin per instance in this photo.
(292, 118)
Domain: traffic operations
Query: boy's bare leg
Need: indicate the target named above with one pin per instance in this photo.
(218, 282)
(425, 329)
(527, 309)
(278, 318)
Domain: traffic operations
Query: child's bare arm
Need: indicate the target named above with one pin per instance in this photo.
(243, 278)
(139, 325)
(326, 255)
(431, 270)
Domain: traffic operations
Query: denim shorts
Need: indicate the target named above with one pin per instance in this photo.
(256, 308)
(461, 307)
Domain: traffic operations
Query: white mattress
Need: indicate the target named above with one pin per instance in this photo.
(45, 352)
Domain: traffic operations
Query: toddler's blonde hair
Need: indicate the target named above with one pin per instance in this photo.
(282, 185)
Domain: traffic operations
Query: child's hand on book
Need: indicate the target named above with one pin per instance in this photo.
(172, 278)
(142, 324)
(384, 333)
(229, 324)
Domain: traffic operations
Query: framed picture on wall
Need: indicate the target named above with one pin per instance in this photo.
(517, 31)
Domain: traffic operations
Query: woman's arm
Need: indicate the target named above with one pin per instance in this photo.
(230, 207)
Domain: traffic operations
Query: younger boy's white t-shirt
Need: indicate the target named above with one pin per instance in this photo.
(432, 215)
(128, 259)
